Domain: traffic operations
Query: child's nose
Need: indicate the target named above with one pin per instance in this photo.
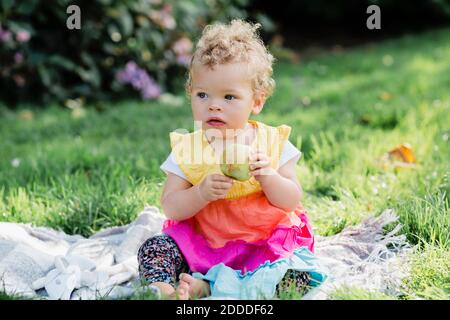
(215, 107)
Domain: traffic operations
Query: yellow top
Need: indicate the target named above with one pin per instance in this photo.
(197, 159)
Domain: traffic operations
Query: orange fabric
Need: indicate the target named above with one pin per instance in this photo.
(250, 218)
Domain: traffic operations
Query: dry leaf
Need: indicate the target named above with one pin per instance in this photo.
(385, 96)
(401, 156)
(403, 153)
(26, 115)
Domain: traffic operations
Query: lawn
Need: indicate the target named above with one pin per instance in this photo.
(81, 171)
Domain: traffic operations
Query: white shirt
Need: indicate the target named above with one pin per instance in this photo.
(289, 152)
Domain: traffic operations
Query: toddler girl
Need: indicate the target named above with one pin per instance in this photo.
(232, 235)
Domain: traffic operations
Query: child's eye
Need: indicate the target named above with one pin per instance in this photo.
(229, 97)
(202, 95)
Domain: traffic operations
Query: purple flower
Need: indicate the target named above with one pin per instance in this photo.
(5, 35)
(140, 80)
(184, 59)
(128, 72)
(151, 91)
(18, 57)
(22, 36)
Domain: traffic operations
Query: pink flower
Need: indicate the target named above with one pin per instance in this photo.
(163, 18)
(22, 36)
(183, 49)
(182, 46)
(20, 80)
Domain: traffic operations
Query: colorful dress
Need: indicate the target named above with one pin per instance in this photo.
(243, 232)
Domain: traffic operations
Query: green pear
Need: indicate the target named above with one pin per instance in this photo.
(235, 161)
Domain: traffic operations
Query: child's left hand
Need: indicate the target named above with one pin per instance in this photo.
(260, 165)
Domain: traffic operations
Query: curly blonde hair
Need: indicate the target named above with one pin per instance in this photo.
(236, 42)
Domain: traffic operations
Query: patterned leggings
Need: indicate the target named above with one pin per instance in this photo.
(160, 260)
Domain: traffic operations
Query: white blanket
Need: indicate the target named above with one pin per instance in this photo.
(39, 262)
(364, 257)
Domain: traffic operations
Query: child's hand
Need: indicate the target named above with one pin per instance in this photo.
(215, 186)
(260, 165)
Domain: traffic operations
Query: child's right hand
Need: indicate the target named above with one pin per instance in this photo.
(215, 186)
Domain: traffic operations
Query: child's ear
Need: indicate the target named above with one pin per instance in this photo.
(258, 102)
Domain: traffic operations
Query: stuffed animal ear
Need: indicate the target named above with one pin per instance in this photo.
(39, 283)
(55, 286)
(61, 263)
(85, 264)
(95, 278)
(61, 286)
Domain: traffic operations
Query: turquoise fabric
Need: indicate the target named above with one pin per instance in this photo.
(261, 283)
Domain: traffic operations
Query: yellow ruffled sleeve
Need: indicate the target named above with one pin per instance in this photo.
(192, 156)
(284, 132)
(272, 142)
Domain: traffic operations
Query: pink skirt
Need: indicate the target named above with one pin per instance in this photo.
(238, 254)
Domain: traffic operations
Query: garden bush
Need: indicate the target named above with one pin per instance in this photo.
(122, 44)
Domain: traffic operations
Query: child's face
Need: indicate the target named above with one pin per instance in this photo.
(226, 93)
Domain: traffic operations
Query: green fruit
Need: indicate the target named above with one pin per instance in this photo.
(235, 162)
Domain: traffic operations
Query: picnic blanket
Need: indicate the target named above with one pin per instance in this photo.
(42, 263)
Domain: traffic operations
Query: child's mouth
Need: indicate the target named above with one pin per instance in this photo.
(215, 123)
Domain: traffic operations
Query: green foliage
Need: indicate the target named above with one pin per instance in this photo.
(43, 60)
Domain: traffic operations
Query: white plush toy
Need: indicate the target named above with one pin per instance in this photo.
(71, 272)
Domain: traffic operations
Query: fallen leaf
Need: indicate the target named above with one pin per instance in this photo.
(385, 96)
(26, 115)
(388, 60)
(403, 153)
(401, 156)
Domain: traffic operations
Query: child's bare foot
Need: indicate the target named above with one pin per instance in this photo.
(196, 288)
(182, 291)
(165, 289)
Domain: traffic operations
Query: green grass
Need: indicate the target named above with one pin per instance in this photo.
(430, 274)
(352, 293)
(84, 173)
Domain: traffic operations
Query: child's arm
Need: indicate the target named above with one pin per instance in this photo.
(181, 200)
(281, 187)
